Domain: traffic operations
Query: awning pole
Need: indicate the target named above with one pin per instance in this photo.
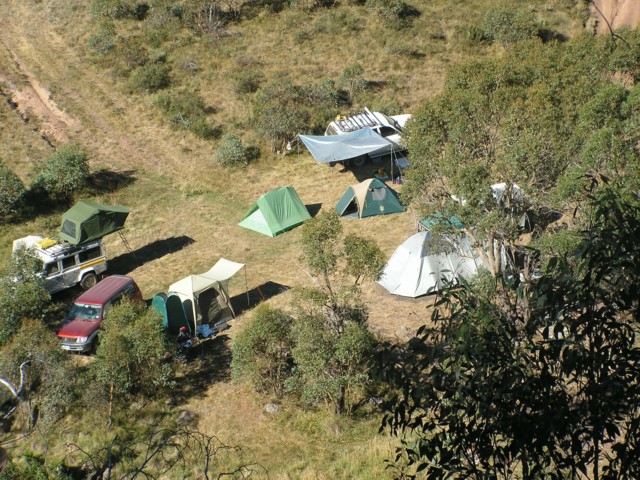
(246, 286)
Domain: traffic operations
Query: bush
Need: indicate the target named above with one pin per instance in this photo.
(262, 351)
(506, 25)
(247, 80)
(63, 173)
(187, 111)
(231, 152)
(116, 9)
(395, 13)
(12, 192)
(131, 353)
(353, 81)
(106, 40)
(22, 294)
(150, 78)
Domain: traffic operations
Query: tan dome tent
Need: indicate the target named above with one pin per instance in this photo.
(368, 198)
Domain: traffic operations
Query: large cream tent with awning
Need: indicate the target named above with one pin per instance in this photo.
(200, 299)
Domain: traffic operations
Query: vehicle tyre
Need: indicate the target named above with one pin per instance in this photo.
(94, 346)
(359, 161)
(88, 281)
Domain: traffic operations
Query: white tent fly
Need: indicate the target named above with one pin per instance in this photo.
(414, 269)
(205, 296)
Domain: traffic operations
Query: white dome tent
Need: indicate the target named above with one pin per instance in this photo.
(415, 269)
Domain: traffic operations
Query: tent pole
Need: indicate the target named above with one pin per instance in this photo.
(246, 287)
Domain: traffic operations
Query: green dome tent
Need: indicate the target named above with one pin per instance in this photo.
(87, 221)
(368, 198)
(276, 212)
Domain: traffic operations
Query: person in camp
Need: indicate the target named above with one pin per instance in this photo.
(183, 337)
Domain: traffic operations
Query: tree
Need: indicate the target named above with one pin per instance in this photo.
(131, 354)
(12, 192)
(536, 120)
(353, 81)
(231, 152)
(22, 294)
(552, 397)
(63, 173)
(262, 350)
(37, 370)
(333, 346)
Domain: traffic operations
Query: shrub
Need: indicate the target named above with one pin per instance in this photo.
(115, 9)
(150, 78)
(105, 41)
(12, 192)
(22, 294)
(63, 173)
(247, 80)
(187, 111)
(353, 81)
(131, 355)
(231, 152)
(262, 351)
(506, 25)
(396, 13)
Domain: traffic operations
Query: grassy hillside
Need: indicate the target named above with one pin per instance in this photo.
(185, 208)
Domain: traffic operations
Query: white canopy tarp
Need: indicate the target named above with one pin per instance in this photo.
(198, 290)
(335, 148)
(414, 270)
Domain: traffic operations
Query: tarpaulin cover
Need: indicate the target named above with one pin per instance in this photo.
(335, 148)
(87, 221)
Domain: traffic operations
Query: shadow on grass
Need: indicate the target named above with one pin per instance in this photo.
(108, 181)
(247, 300)
(207, 362)
(127, 262)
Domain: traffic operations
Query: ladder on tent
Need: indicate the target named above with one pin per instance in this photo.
(125, 241)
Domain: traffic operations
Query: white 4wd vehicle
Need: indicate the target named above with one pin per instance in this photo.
(66, 265)
(389, 127)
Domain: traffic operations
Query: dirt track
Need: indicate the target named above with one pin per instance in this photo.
(615, 14)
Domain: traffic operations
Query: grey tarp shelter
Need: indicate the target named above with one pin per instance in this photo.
(201, 299)
(345, 146)
(276, 212)
(415, 269)
(87, 221)
(368, 198)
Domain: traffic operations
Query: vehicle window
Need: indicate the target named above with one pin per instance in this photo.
(69, 262)
(387, 131)
(331, 130)
(85, 311)
(89, 254)
(51, 268)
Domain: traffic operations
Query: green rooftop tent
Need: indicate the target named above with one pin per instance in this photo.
(368, 198)
(276, 212)
(87, 221)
